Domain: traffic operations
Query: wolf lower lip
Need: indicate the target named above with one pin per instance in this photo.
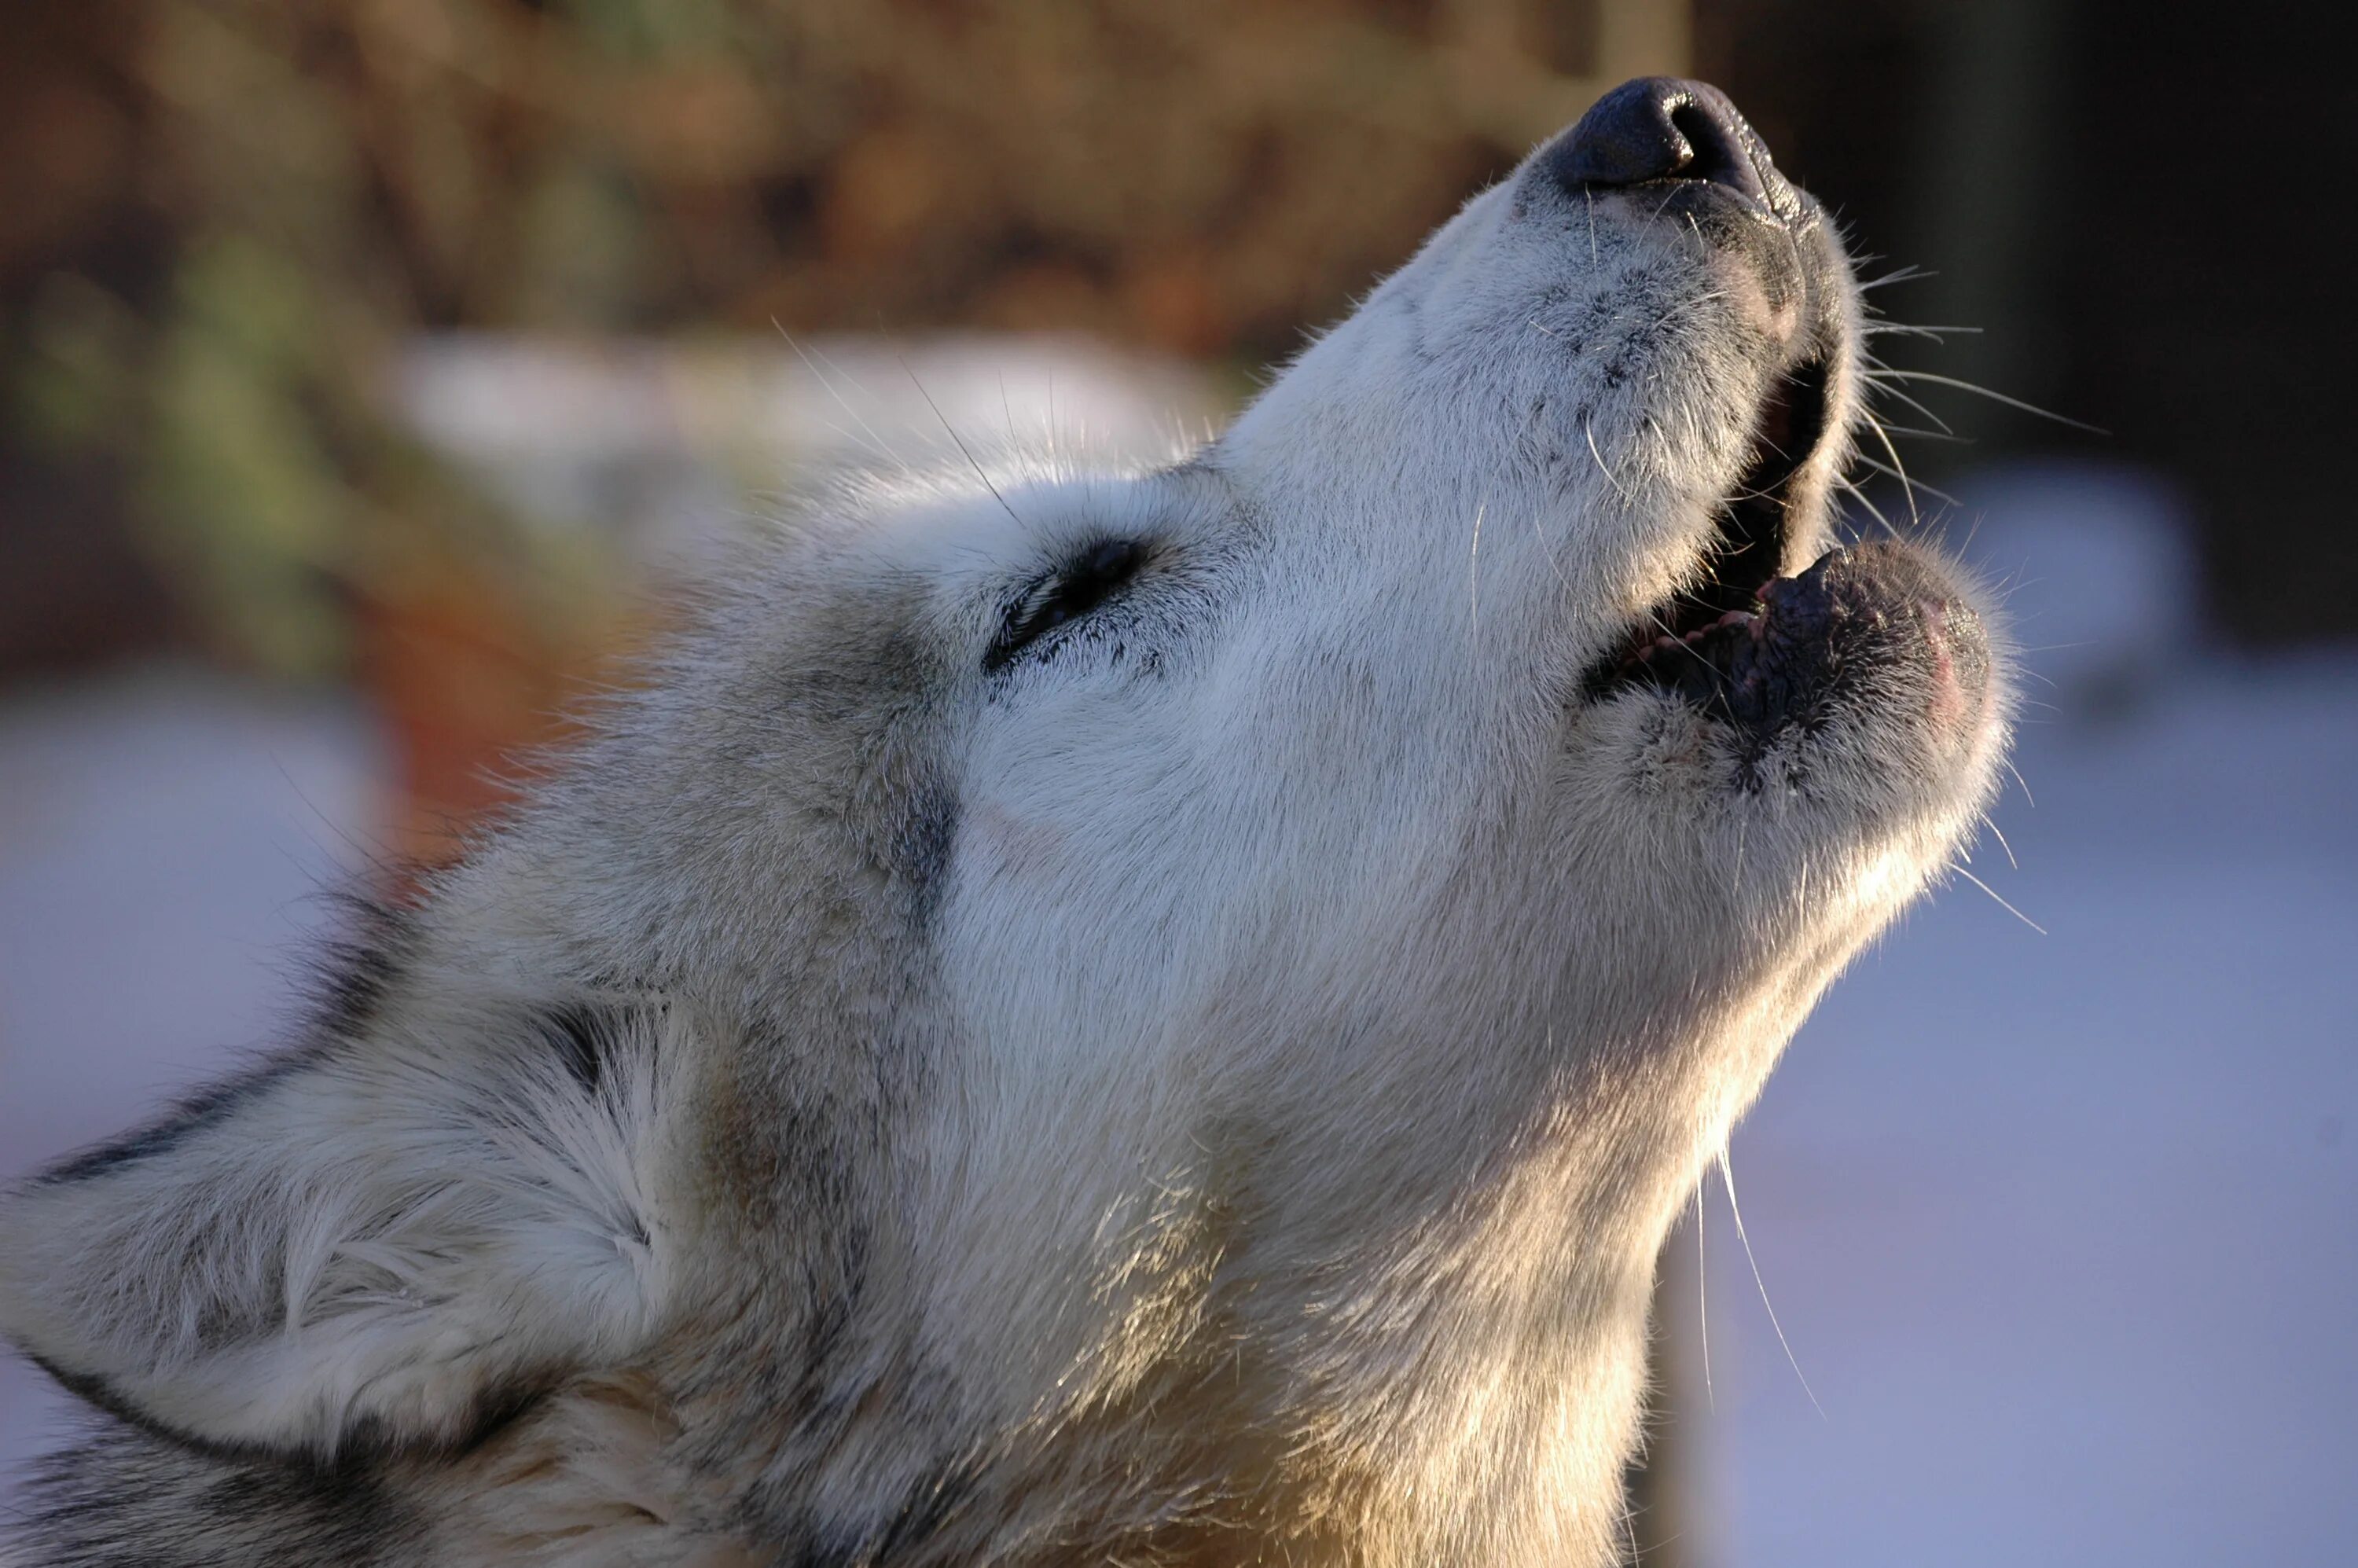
(1853, 610)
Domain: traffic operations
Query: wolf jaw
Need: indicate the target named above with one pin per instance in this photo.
(1724, 593)
(1156, 1017)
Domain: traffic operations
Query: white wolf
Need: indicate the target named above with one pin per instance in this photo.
(1156, 1018)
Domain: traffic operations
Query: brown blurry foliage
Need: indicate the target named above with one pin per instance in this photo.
(622, 163)
(218, 218)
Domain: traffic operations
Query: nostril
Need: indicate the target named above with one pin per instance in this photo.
(1659, 129)
(1714, 153)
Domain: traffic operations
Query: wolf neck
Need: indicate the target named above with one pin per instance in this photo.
(1470, 1398)
(1487, 1431)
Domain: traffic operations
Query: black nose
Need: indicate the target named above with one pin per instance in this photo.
(1659, 129)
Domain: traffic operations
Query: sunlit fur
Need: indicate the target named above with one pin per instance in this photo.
(1208, 1092)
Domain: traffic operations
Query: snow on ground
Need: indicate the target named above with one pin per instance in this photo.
(2060, 1227)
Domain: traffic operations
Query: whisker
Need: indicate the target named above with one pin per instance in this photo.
(1873, 510)
(962, 447)
(1888, 329)
(1702, 1305)
(1589, 428)
(1905, 275)
(1887, 374)
(1007, 408)
(1727, 1180)
(1472, 574)
(882, 446)
(1547, 553)
(1989, 823)
(1885, 389)
(1899, 474)
(1946, 437)
(1898, 469)
(2001, 902)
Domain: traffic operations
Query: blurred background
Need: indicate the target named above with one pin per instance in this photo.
(368, 366)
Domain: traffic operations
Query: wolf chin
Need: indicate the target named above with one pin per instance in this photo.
(1151, 1017)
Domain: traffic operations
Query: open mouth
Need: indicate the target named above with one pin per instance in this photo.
(1687, 642)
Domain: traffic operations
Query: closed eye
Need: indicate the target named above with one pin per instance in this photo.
(1086, 582)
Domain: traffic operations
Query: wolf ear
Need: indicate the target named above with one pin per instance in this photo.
(388, 1238)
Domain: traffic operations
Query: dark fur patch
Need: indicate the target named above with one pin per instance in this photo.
(818, 1547)
(493, 1411)
(921, 850)
(358, 971)
(190, 1116)
(490, 1414)
(900, 1535)
(98, 1393)
(116, 1500)
(102, 1395)
(359, 967)
(926, 1511)
(583, 1037)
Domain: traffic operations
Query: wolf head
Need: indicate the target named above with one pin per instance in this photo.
(1157, 1016)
